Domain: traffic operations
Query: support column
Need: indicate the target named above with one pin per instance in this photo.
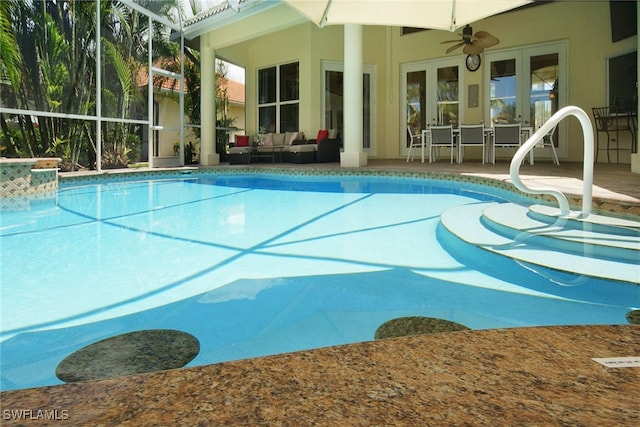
(353, 154)
(635, 157)
(208, 154)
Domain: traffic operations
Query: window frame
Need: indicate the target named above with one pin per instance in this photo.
(278, 104)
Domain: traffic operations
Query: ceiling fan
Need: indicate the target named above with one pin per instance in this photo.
(473, 43)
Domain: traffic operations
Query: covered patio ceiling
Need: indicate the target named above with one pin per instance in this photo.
(448, 15)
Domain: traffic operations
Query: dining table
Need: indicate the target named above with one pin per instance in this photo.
(425, 135)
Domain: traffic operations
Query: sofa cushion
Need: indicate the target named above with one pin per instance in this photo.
(239, 150)
(242, 140)
(322, 134)
(303, 148)
(289, 137)
(278, 138)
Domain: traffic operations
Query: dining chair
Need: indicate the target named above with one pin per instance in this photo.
(612, 124)
(441, 136)
(505, 136)
(471, 136)
(547, 141)
(415, 141)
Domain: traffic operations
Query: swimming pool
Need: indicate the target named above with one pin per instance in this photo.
(257, 264)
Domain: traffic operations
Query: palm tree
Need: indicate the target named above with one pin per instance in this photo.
(48, 53)
(10, 66)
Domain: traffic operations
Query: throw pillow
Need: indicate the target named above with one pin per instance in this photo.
(333, 133)
(322, 134)
(242, 140)
(268, 139)
(278, 138)
(289, 137)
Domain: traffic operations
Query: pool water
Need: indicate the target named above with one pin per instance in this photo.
(259, 265)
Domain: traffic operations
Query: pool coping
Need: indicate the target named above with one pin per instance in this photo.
(519, 376)
(604, 202)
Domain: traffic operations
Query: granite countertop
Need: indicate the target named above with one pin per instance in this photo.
(523, 376)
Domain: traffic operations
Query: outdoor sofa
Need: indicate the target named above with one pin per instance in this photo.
(286, 147)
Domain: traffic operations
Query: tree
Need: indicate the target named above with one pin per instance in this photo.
(48, 57)
(10, 66)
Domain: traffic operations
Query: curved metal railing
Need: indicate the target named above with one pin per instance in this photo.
(587, 173)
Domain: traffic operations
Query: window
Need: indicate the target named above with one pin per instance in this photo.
(623, 77)
(279, 98)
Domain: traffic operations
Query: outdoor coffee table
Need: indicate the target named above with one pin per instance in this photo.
(266, 151)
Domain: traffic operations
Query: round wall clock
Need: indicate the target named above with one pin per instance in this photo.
(473, 62)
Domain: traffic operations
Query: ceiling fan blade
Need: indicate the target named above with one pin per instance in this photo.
(473, 49)
(484, 39)
(451, 41)
(452, 48)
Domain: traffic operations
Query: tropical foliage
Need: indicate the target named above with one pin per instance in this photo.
(48, 54)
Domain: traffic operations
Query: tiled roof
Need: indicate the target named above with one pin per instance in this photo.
(235, 91)
(159, 82)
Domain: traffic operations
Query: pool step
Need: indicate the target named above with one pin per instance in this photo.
(605, 224)
(509, 230)
(573, 234)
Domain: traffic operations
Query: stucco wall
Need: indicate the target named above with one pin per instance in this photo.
(585, 26)
(169, 118)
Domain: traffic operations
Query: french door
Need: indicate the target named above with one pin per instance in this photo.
(431, 96)
(527, 85)
(333, 101)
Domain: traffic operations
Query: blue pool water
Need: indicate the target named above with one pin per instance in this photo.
(258, 265)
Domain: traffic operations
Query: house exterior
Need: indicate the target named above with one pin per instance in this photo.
(550, 54)
(166, 93)
(235, 107)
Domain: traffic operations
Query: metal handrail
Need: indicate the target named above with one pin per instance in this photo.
(587, 173)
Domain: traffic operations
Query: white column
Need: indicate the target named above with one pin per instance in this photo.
(353, 154)
(99, 91)
(635, 157)
(208, 155)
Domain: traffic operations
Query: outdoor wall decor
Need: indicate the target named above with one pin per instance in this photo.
(473, 96)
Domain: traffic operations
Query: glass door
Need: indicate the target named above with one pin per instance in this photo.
(431, 96)
(503, 95)
(416, 112)
(448, 100)
(543, 91)
(528, 85)
(333, 101)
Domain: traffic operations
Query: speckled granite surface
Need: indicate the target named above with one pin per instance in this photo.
(416, 325)
(131, 353)
(511, 377)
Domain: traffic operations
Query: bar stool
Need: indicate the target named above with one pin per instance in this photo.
(612, 124)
